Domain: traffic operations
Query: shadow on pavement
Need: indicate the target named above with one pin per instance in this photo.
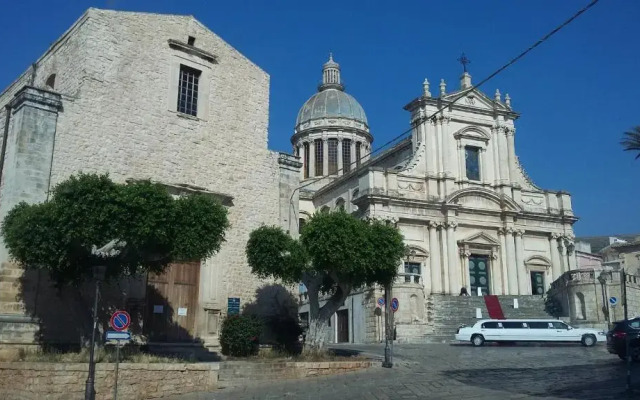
(607, 380)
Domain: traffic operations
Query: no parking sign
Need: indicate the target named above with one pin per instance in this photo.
(120, 320)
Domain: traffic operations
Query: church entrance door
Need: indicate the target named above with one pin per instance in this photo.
(479, 274)
(343, 326)
(172, 299)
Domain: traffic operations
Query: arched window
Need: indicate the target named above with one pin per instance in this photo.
(581, 309)
(333, 156)
(301, 224)
(319, 157)
(324, 209)
(306, 160)
(51, 81)
(346, 155)
(340, 204)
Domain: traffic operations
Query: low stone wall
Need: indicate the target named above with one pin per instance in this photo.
(58, 381)
(238, 373)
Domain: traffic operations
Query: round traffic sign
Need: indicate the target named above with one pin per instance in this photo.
(613, 300)
(394, 304)
(120, 320)
(381, 301)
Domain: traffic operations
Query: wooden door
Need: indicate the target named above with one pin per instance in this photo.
(537, 282)
(172, 299)
(479, 274)
(343, 326)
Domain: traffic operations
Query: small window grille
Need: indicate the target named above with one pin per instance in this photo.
(319, 157)
(188, 90)
(333, 156)
(346, 155)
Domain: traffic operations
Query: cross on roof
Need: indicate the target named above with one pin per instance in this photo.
(464, 61)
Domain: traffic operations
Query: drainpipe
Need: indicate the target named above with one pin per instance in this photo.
(5, 135)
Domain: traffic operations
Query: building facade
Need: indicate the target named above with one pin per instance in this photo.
(159, 97)
(470, 216)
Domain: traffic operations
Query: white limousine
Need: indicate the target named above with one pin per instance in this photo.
(527, 330)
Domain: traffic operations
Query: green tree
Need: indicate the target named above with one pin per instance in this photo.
(631, 141)
(335, 254)
(150, 227)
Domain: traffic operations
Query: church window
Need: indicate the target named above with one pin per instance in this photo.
(340, 204)
(191, 41)
(188, 90)
(333, 156)
(346, 155)
(472, 162)
(306, 160)
(51, 81)
(319, 157)
(412, 272)
(358, 153)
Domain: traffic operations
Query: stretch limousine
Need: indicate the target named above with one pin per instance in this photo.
(527, 330)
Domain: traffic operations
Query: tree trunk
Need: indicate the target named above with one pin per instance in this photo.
(319, 316)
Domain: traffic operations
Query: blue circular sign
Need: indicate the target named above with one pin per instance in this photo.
(381, 301)
(120, 320)
(394, 304)
(613, 300)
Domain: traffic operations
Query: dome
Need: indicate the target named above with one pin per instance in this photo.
(331, 103)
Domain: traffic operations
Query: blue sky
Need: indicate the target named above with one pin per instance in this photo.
(576, 93)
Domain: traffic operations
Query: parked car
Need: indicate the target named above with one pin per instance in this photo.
(527, 330)
(628, 329)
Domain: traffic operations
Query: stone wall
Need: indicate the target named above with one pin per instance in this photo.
(53, 381)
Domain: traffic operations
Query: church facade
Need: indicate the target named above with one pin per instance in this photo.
(470, 216)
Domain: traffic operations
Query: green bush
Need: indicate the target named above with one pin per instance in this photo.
(552, 306)
(287, 332)
(239, 336)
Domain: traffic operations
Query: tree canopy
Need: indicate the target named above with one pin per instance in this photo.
(631, 141)
(89, 210)
(336, 253)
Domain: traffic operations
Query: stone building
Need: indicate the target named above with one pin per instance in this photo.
(149, 96)
(470, 215)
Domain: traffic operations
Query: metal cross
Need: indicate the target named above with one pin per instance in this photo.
(464, 61)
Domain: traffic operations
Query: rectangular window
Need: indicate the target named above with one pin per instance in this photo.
(319, 157)
(490, 325)
(188, 90)
(358, 153)
(537, 282)
(333, 156)
(412, 272)
(472, 162)
(306, 160)
(346, 155)
(538, 325)
(514, 325)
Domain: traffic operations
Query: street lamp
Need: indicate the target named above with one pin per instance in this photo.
(602, 278)
(388, 351)
(89, 390)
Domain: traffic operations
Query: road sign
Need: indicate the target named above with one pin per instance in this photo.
(394, 304)
(115, 335)
(613, 300)
(381, 302)
(120, 320)
(233, 306)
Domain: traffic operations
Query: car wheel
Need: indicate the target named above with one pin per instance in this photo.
(589, 340)
(477, 340)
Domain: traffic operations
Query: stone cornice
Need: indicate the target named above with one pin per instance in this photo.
(189, 49)
(289, 160)
(40, 98)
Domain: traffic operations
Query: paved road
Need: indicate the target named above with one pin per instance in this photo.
(435, 371)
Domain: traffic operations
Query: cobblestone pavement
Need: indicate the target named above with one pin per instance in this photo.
(439, 371)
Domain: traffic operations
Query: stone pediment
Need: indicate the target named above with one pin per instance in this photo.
(482, 239)
(482, 199)
(473, 133)
(476, 99)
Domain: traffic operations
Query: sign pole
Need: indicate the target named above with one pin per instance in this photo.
(387, 363)
(115, 386)
(89, 389)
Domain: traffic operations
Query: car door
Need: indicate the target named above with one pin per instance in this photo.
(515, 331)
(562, 333)
(490, 330)
(540, 331)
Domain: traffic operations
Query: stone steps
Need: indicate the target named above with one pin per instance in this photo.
(18, 329)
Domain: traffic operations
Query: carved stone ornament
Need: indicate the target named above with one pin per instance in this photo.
(451, 224)
(519, 232)
(494, 254)
(470, 100)
(435, 224)
(502, 231)
(555, 235)
(464, 252)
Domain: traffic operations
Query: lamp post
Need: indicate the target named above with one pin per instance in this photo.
(388, 352)
(89, 390)
(602, 278)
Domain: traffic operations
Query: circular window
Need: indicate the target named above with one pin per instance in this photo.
(482, 265)
(472, 279)
(483, 280)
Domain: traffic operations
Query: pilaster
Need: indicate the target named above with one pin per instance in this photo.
(312, 158)
(512, 269)
(340, 156)
(523, 282)
(455, 282)
(556, 263)
(434, 257)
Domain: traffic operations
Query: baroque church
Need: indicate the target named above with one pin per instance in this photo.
(470, 216)
(162, 97)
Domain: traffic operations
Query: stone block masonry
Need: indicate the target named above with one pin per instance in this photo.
(56, 381)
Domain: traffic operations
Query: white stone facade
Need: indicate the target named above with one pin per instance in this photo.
(116, 76)
(486, 227)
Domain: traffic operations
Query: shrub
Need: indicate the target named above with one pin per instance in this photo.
(239, 335)
(552, 306)
(286, 331)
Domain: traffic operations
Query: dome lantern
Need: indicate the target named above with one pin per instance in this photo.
(331, 75)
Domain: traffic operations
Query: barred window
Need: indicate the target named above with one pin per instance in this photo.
(319, 157)
(358, 153)
(306, 160)
(346, 155)
(472, 161)
(188, 90)
(333, 156)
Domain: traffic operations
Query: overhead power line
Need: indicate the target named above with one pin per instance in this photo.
(463, 93)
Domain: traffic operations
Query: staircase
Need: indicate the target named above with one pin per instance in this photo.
(447, 313)
(16, 328)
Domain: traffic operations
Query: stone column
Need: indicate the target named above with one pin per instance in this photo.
(340, 172)
(503, 155)
(486, 173)
(440, 168)
(444, 254)
(512, 154)
(563, 255)
(464, 267)
(353, 152)
(523, 284)
(496, 157)
(432, 149)
(455, 282)
(556, 264)
(504, 261)
(325, 156)
(571, 256)
(512, 269)
(312, 158)
(434, 258)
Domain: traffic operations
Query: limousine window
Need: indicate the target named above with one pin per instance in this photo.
(559, 325)
(491, 325)
(538, 325)
(514, 325)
